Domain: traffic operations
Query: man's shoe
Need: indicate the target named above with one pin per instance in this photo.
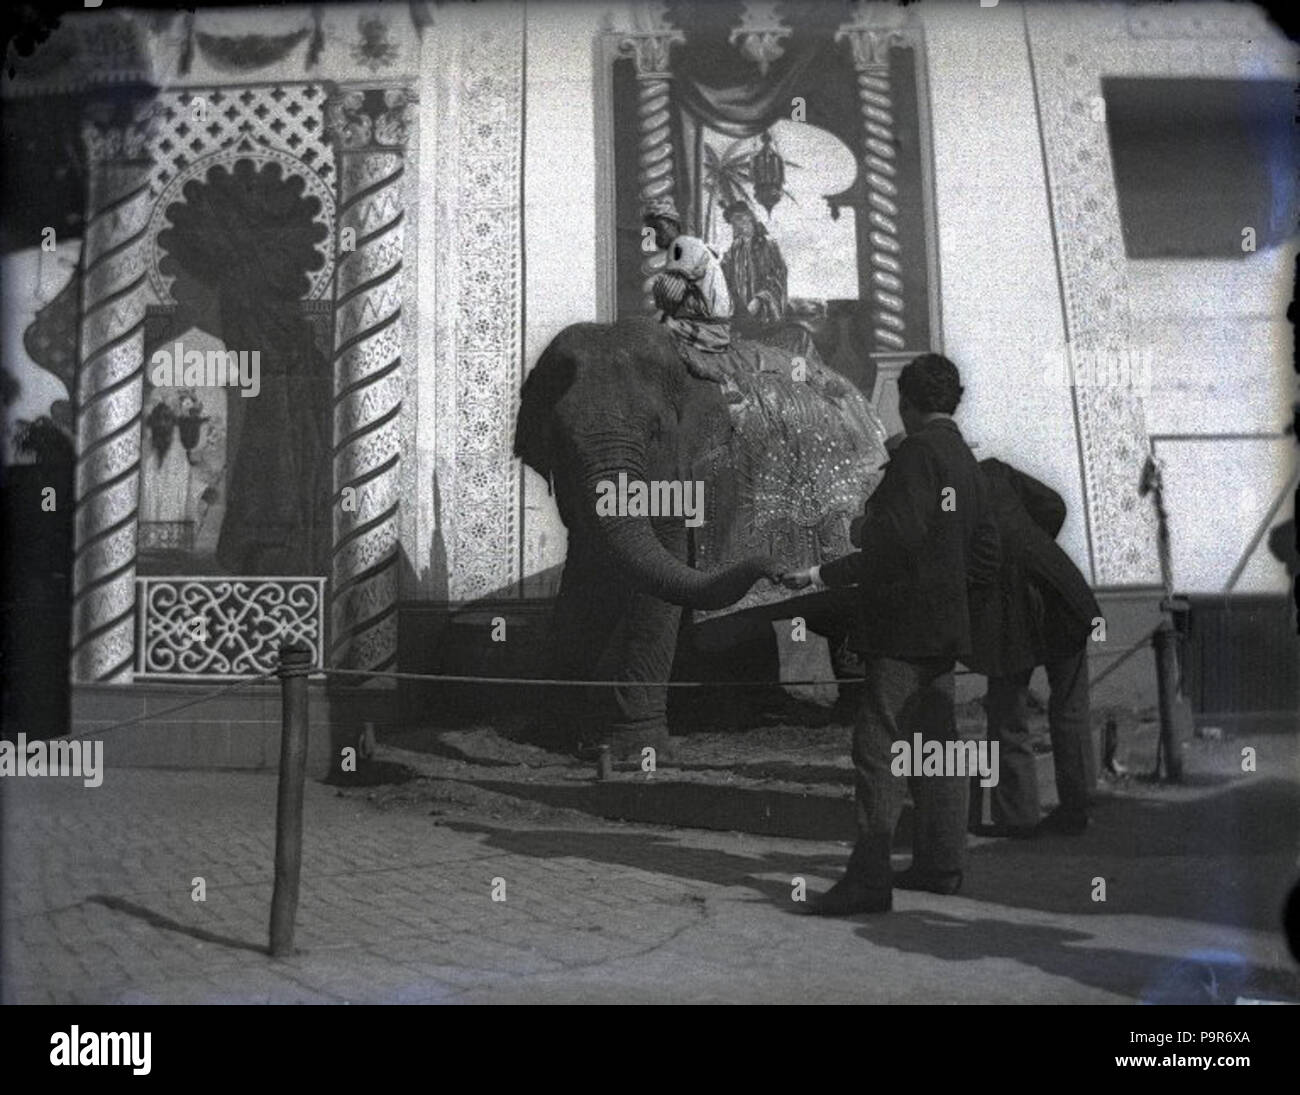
(947, 883)
(848, 897)
(1063, 822)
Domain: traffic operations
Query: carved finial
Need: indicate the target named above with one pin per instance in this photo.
(358, 118)
(873, 28)
(760, 33)
(651, 41)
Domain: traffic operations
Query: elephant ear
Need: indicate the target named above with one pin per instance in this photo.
(545, 386)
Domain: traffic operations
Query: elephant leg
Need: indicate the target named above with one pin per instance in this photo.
(641, 658)
(588, 610)
(605, 630)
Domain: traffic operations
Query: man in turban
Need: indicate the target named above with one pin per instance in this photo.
(691, 295)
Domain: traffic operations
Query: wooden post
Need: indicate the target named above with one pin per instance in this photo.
(295, 662)
(1175, 711)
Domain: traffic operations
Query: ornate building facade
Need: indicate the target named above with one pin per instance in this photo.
(399, 208)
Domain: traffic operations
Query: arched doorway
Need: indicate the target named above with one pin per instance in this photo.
(235, 475)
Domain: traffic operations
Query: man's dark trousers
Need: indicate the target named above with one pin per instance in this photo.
(919, 558)
(1015, 797)
(902, 698)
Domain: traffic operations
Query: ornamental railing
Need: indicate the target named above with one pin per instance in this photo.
(201, 628)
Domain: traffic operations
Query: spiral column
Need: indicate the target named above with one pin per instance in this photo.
(369, 129)
(870, 36)
(109, 390)
(649, 47)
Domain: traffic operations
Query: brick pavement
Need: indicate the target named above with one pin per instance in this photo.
(396, 907)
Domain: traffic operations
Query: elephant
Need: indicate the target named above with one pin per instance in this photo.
(606, 401)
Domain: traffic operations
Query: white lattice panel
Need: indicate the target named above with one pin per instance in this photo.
(196, 628)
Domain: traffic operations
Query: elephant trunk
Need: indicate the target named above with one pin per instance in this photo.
(655, 570)
(652, 568)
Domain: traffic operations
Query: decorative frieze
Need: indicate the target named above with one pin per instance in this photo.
(478, 270)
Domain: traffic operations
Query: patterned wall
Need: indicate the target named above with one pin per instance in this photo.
(1110, 421)
(479, 278)
(1071, 49)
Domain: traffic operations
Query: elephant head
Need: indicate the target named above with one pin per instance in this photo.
(610, 399)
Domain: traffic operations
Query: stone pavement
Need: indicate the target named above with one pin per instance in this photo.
(397, 904)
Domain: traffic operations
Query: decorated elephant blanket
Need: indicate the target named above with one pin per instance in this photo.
(789, 467)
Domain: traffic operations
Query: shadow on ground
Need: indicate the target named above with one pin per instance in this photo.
(1223, 857)
(1201, 978)
(1221, 854)
(1205, 977)
(664, 855)
(166, 923)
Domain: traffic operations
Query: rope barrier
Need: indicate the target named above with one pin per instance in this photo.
(553, 682)
(542, 682)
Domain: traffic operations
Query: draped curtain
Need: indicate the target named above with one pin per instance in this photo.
(737, 110)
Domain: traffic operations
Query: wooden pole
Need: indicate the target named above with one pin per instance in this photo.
(295, 662)
(1175, 711)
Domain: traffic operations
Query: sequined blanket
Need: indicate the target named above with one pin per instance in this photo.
(795, 462)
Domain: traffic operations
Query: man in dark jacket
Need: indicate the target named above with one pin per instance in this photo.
(927, 535)
(1041, 611)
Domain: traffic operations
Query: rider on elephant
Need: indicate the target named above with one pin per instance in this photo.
(801, 445)
(691, 294)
